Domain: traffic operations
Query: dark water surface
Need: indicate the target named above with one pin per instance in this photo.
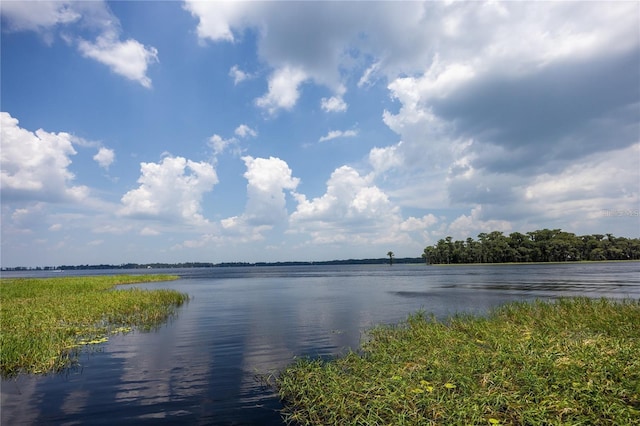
(243, 322)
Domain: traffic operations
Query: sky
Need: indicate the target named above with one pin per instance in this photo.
(166, 131)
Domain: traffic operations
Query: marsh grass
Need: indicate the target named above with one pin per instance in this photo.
(45, 322)
(575, 361)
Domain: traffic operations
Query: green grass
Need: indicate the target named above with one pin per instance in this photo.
(574, 362)
(45, 322)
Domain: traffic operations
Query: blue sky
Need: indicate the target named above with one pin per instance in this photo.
(271, 131)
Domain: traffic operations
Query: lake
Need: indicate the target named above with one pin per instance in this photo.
(242, 323)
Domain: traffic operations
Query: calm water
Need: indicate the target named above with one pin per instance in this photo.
(201, 367)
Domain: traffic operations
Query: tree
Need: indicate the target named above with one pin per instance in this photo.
(520, 247)
(430, 255)
(545, 245)
(482, 244)
(390, 254)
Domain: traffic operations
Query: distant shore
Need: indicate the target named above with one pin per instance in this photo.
(375, 261)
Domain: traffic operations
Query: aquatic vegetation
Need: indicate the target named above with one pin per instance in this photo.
(574, 361)
(45, 322)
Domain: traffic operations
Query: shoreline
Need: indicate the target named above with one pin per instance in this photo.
(355, 262)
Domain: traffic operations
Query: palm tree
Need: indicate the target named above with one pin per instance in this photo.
(390, 254)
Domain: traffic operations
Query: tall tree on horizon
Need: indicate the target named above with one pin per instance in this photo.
(390, 254)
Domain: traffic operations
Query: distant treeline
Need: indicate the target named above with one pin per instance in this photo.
(382, 260)
(546, 245)
(107, 266)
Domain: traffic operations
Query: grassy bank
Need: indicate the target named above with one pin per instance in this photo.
(44, 322)
(575, 361)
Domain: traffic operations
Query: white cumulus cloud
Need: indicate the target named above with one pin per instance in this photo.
(349, 195)
(244, 131)
(38, 16)
(352, 210)
(219, 145)
(382, 159)
(333, 104)
(418, 223)
(476, 222)
(283, 90)
(238, 75)
(105, 157)
(128, 58)
(217, 19)
(35, 165)
(267, 179)
(170, 190)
